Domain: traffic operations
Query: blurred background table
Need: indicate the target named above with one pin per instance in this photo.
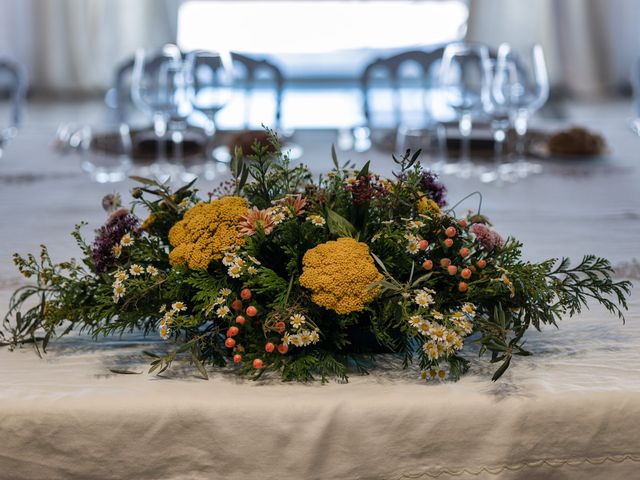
(583, 384)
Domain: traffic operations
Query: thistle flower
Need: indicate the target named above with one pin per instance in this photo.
(435, 190)
(119, 223)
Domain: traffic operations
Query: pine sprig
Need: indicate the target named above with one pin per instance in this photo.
(590, 279)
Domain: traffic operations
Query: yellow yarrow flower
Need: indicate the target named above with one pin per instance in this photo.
(206, 232)
(339, 274)
(427, 206)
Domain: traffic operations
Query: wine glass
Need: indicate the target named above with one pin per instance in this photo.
(159, 88)
(522, 91)
(498, 112)
(464, 80)
(211, 87)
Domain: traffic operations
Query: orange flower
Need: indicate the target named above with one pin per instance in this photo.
(249, 223)
(295, 203)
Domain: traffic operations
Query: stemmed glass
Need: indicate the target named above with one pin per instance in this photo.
(498, 112)
(211, 88)
(159, 88)
(522, 91)
(464, 81)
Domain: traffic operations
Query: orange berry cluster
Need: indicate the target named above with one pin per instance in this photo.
(464, 252)
(233, 331)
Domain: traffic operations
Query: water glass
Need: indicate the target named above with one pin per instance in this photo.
(464, 81)
(521, 89)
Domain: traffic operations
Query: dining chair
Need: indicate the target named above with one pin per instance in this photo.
(13, 84)
(395, 71)
(250, 71)
(118, 97)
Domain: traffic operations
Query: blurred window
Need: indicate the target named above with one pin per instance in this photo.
(321, 46)
(320, 39)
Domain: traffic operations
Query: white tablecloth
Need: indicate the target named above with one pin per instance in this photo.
(570, 411)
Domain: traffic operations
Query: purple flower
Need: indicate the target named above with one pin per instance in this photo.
(487, 238)
(109, 235)
(432, 188)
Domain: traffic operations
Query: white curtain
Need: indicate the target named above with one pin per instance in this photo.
(590, 45)
(72, 46)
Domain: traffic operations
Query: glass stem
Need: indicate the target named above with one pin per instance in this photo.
(520, 124)
(464, 125)
(159, 129)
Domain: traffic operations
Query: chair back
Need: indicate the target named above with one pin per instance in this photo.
(393, 67)
(13, 83)
(250, 72)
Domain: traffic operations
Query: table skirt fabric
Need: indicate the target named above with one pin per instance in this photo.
(571, 411)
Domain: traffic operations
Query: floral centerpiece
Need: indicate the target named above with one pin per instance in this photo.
(309, 277)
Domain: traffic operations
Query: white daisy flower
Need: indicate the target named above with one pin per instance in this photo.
(151, 270)
(163, 308)
(222, 311)
(254, 260)
(437, 315)
(463, 325)
(278, 218)
(316, 220)
(297, 320)
(178, 306)
(410, 237)
(239, 262)
(469, 309)
(228, 258)
(219, 301)
(118, 291)
(413, 247)
(295, 340)
(136, 270)
(305, 337)
(225, 292)
(415, 320)
(424, 328)
(164, 331)
(314, 336)
(120, 276)
(438, 332)
(234, 271)
(431, 349)
(126, 240)
(116, 250)
(251, 270)
(423, 298)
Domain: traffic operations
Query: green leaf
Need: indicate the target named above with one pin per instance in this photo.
(365, 170)
(143, 180)
(124, 372)
(198, 364)
(339, 226)
(502, 369)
